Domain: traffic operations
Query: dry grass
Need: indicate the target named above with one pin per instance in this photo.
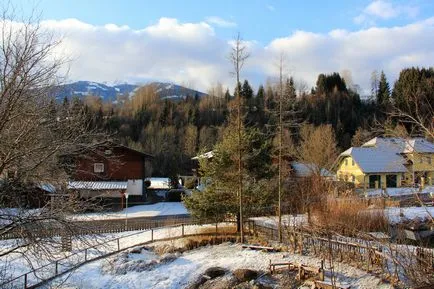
(226, 229)
(350, 217)
(226, 234)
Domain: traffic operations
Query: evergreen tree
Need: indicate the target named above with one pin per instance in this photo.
(65, 107)
(270, 101)
(413, 98)
(260, 97)
(219, 198)
(289, 92)
(246, 91)
(383, 95)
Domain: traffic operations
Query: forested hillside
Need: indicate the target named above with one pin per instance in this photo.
(175, 131)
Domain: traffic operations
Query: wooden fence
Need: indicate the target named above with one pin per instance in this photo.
(48, 230)
(368, 255)
(50, 271)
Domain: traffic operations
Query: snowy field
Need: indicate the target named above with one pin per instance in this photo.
(146, 269)
(397, 215)
(393, 214)
(396, 192)
(16, 264)
(287, 220)
(158, 209)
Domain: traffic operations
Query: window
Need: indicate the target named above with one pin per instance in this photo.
(98, 167)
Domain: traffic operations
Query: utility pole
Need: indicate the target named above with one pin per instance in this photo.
(279, 209)
(126, 211)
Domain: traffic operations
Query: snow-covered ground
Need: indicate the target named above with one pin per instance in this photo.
(393, 214)
(158, 209)
(18, 264)
(287, 220)
(148, 270)
(396, 192)
(396, 215)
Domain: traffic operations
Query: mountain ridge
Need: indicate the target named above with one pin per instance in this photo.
(83, 88)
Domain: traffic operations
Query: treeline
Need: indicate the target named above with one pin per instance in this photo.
(174, 132)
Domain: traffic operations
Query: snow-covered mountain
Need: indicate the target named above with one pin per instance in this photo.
(172, 91)
(85, 88)
(111, 92)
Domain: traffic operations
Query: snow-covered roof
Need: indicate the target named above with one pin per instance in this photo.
(206, 155)
(306, 170)
(401, 145)
(97, 185)
(376, 160)
(156, 183)
(419, 145)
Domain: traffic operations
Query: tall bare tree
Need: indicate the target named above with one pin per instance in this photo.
(285, 114)
(36, 138)
(237, 57)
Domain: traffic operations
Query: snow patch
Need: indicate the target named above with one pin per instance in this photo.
(158, 209)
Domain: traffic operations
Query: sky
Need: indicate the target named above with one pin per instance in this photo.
(188, 41)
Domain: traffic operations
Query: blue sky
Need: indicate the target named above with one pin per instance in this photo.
(262, 20)
(187, 41)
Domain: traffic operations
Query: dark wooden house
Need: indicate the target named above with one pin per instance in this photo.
(109, 172)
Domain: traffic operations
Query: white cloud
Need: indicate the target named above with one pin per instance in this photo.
(390, 49)
(383, 9)
(192, 52)
(218, 21)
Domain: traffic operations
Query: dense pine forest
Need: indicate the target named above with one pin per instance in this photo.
(175, 131)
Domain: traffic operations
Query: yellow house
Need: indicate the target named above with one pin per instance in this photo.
(387, 162)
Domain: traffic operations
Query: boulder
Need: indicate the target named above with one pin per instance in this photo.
(214, 272)
(222, 282)
(244, 275)
(197, 283)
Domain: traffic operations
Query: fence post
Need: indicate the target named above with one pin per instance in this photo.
(57, 268)
(85, 254)
(118, 244)
(182, 230)
(152, 235)
(25, 281)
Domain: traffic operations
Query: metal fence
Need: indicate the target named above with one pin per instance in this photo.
(48, 272)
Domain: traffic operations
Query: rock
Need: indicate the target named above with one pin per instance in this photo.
(222, 282)
(169, 257)
(262, 286)
(245, 274)
(197, 283)
(136, 250)
(214, 272)
(264, 282)
(244, 285)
